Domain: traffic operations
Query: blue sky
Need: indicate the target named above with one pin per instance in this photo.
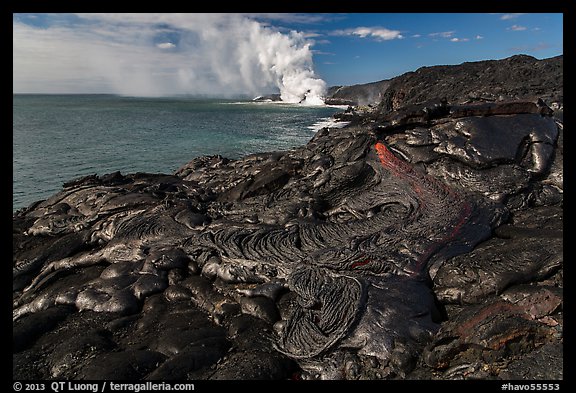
(431, 39)
(164, 54)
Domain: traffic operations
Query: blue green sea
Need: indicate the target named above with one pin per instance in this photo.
(57, 138)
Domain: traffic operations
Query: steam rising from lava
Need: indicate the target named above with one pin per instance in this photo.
(164, 54)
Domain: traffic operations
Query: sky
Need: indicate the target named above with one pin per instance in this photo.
(147, 54)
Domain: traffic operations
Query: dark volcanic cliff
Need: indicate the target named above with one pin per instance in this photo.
(423, 241)
(516, 77)
(362, 94)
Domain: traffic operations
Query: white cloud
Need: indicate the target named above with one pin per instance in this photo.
(455, 39)
(510, 16)
(311, 34)
(442, 34)
(478, 37)
(516, 28)
(166, 45)
(378, 33)
(55, 59)
(416, 36)
(323, 53)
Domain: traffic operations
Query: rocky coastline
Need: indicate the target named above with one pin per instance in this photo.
(423, 241)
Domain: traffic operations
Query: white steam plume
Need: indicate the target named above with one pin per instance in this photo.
(287, 59)
(163, 54)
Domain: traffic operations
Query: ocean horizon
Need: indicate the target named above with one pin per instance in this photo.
(59, 137)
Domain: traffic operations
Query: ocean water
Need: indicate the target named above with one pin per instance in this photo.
(57, 138)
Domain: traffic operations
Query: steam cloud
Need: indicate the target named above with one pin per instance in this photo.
(285, 60)
(164, 54)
